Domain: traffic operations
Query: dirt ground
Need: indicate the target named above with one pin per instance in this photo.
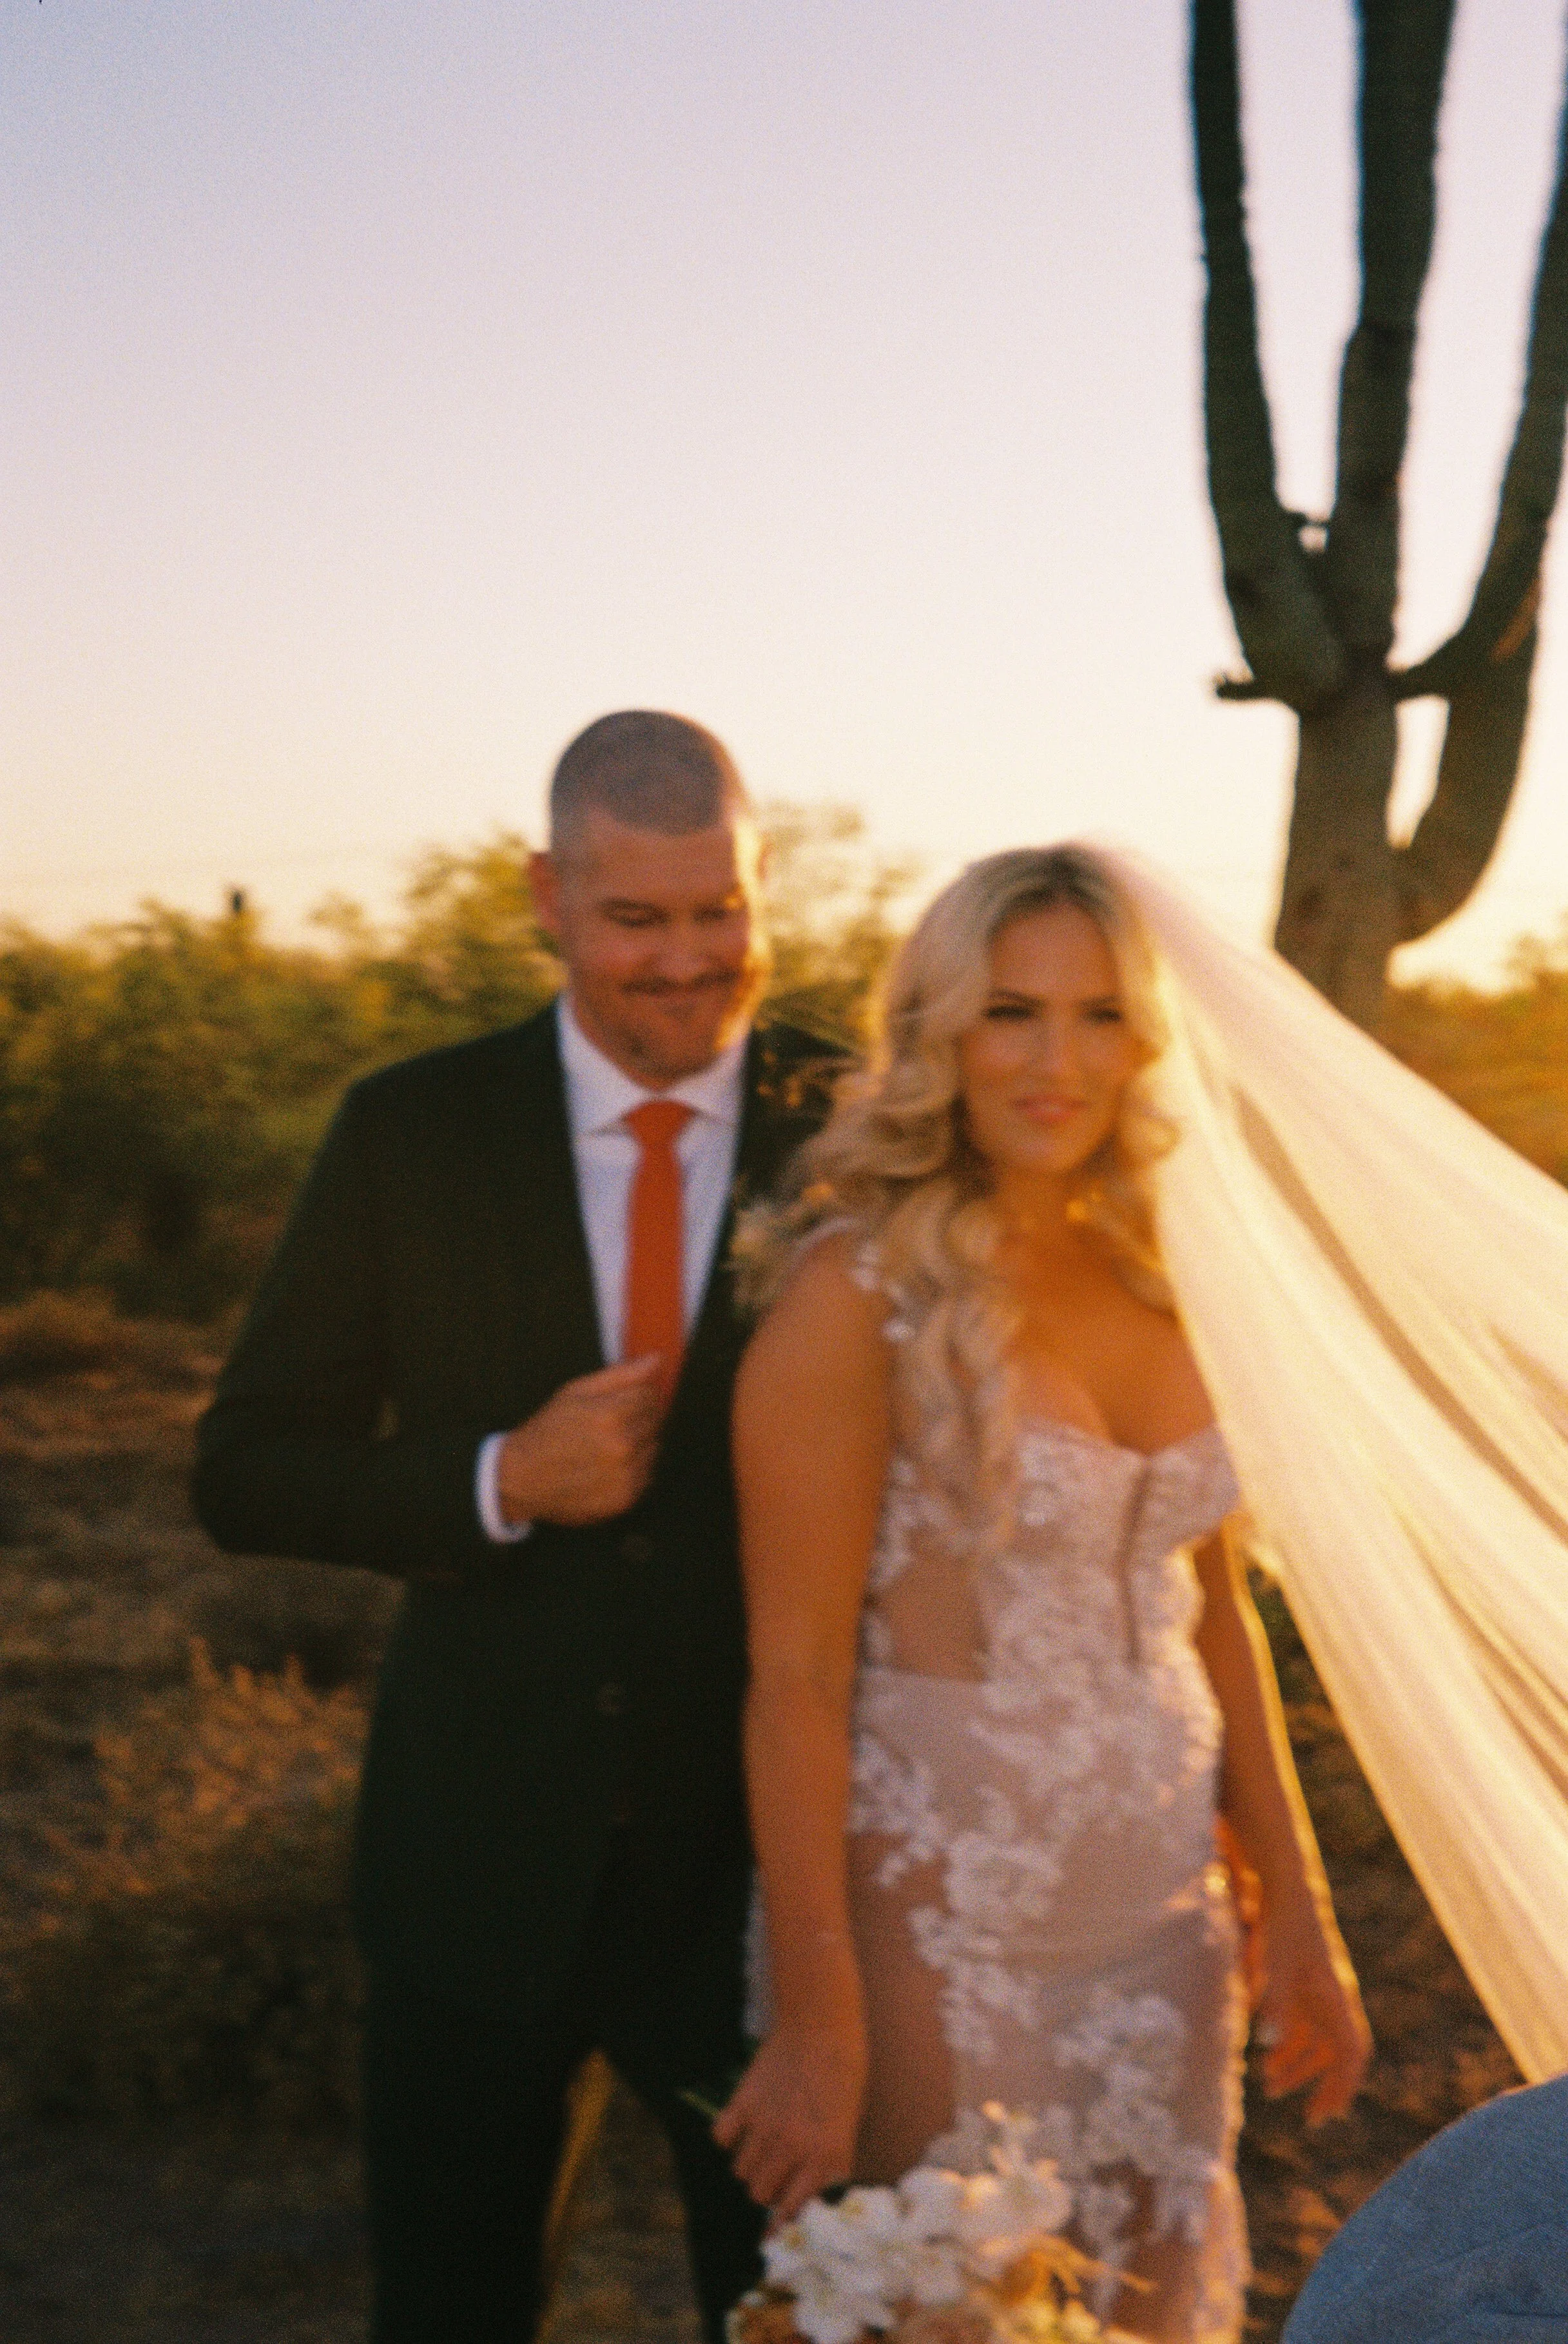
(225, 2234)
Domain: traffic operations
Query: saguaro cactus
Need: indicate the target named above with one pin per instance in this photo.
(1313, 600)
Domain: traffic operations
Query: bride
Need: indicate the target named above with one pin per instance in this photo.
(1005, 1673)
(1122, 1215)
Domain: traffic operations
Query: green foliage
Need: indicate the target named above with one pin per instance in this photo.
(832, 914)
(200, 1957)
(163, 1084)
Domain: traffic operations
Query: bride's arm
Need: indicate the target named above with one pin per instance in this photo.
(811, 1457)
(1309, 2012)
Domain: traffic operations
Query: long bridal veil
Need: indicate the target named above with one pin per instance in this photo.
(1376, 1291)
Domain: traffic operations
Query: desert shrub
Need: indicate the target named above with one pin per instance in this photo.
(832, 912)
(261, 1614)
(199, 1955)
(1500, 1055)
(164, 1082)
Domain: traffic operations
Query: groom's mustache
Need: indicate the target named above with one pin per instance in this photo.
(720, 980)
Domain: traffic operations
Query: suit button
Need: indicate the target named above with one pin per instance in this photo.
(610, 1699)
(636, 1548)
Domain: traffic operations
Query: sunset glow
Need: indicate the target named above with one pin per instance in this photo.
(390, 392)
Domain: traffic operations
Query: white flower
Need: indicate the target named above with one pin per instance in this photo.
(865, 2215)
(1051, 2201)
(830, 2310)
(1037, 2198)
(1003, 2213)
(932, 2273)
(1015, 2129)
(852, 2266)
(841, 2263)
(988, 2248)
(931, 2197)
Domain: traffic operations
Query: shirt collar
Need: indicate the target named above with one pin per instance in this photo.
(598, 1095)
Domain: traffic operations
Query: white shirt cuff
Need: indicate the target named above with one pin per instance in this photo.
(487, 1494)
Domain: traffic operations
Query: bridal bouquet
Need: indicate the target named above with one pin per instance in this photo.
(943, 2259)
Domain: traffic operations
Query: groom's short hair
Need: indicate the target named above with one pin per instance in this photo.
(653, 771)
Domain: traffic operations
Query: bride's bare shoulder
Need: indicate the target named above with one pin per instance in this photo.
(834, 1271)
(829, 1313)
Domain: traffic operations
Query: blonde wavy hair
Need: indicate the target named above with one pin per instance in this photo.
(895, 1165)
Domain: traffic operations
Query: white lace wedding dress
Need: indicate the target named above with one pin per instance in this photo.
(1038, 1912)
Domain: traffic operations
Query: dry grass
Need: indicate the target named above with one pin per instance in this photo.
(54, 1335)
(1437, 2052)
(197, 1954)
(173, 1844)
(178, 1749)
(1501, 1056)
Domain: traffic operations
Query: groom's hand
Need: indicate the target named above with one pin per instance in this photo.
(586, 1455)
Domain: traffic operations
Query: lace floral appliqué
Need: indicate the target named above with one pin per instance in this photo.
(1046, 1829)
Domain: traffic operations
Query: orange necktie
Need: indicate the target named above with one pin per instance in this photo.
(655, 1316)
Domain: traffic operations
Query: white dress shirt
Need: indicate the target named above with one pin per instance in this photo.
(598, 1096)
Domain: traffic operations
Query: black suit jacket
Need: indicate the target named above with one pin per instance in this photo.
(433, 1285)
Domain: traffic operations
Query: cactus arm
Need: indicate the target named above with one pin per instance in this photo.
(1484, 670)
(1404, 47)
(1279, 615)
(1453, 841)
(1507, 595)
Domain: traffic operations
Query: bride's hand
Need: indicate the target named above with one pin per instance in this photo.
(791, 2126)
(1309, 2016)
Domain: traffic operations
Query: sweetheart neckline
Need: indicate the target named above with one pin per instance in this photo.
(1044, 1426)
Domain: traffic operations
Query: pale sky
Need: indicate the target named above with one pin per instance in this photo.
(389, 389)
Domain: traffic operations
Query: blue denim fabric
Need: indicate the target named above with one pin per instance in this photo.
(1466, 2243)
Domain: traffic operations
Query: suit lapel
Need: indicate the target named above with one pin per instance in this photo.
(543, 1305)
(775, 1117)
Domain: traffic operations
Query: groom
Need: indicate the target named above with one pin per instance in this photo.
(493, 1356)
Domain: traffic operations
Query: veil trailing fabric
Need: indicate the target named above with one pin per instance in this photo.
(1376, 1292)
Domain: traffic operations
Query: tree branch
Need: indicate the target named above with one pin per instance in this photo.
(1279, 615)
(1404, 51)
